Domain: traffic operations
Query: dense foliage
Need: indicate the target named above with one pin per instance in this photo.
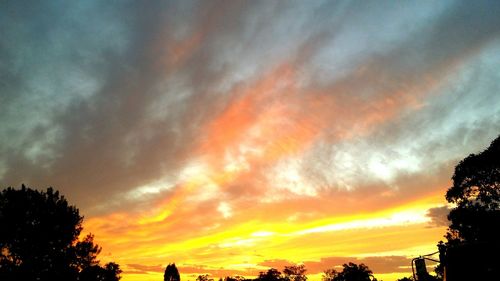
(476, 194)
(473, 237)
(350, 272)
(39, 240)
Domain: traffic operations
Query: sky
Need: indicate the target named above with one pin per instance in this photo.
(230, 137)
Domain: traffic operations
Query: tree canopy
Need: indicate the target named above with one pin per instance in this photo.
(295, 273)
(473, 237)
(405, 279)
(350, 272)
(476, 193)
(171, 273)
(204, 277)
(329, 274)
(39, 239)
(271, 275)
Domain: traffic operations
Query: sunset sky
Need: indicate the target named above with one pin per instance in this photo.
(234, 136)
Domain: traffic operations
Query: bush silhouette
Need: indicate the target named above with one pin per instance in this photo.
(39, 240)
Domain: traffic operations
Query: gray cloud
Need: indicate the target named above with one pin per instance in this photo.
(439, 216)
(97, 99)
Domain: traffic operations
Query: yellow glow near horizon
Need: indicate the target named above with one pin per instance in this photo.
(243, 246)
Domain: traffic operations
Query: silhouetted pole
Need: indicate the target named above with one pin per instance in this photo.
(421, 273)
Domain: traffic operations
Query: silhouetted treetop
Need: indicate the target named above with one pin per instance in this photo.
(36, 222)
(234, 278)
(474, 233)
(204, 277)
(405, 279)
(477, 179)
(476, 193)
(110, 272)
(171, 273)
(329, 274)
(295, 273)
(39, 239)
(350, 272)
(271, 275)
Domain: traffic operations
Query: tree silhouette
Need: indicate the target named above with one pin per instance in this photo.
(476, 193)
(427, 278)
(86, 252)
(233, 278)
(171, 273)
(39, 238)
(405, 279)
(329, 274)
(204, 277)
(350, 272)
(110, 272)
(270, 275)
(295, 273)
(473, 235)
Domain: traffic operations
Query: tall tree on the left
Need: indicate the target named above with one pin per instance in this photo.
(39, 240)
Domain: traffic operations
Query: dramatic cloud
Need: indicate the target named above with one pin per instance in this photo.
(222, 134)
(439, 216)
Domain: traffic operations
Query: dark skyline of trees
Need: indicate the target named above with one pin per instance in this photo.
(350, 272)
